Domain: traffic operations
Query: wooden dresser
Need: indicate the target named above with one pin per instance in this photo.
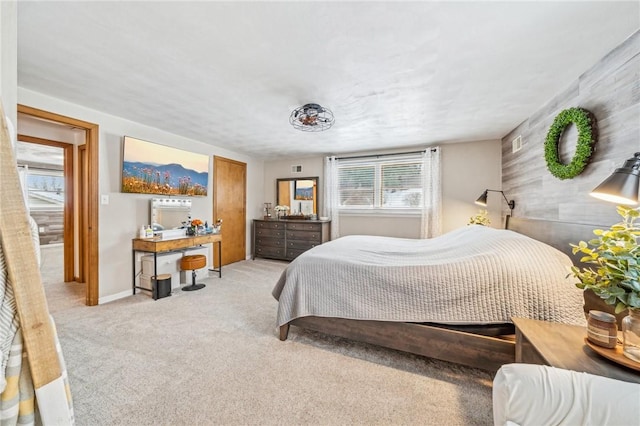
(287, 239)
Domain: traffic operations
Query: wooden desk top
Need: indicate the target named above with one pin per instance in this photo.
(562, 345)
(158, 245)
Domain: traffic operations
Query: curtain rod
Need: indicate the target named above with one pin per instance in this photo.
(385, 155)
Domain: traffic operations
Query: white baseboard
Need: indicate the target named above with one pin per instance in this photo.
(113, 297)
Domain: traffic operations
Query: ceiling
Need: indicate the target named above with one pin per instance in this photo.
(395, 74)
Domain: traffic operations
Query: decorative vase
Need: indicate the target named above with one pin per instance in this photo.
(631, 335)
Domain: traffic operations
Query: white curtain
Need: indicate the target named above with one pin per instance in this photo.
(331, 195)
(431, 194)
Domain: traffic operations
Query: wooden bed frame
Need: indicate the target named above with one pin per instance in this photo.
(455, 344)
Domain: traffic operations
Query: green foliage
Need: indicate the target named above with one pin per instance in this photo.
(482, 218)
(585, 123)
(617, 256)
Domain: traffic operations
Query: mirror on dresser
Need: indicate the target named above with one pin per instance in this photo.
(299, 194)
(169, 213)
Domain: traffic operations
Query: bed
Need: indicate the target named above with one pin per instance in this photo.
(462, 320)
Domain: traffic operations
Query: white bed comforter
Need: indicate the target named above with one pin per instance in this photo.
(473, 275)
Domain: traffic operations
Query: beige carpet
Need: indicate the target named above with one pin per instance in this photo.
(213, 357)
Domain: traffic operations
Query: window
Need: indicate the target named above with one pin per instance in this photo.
(384, 182)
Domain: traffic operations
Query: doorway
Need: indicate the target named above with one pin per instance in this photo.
(88, 205)
(46, 172)
(229, 204)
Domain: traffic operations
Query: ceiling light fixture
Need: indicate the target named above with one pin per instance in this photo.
(311, 118)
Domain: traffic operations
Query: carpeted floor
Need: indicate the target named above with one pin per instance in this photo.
(213, 357)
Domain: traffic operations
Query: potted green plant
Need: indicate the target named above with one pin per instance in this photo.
(616, 277)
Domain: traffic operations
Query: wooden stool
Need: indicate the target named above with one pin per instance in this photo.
(193, 262)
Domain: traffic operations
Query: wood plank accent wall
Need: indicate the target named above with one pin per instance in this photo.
(611, 91)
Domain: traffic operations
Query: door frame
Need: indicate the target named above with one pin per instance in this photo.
(89, 208)
(68, 236)
(82, 195)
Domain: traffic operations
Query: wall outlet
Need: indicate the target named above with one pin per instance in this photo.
(516, 144)
(296, 169)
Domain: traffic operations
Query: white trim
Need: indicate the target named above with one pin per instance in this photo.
(121, 295)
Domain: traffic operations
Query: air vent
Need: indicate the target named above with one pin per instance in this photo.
(296, 169)
(516, 144)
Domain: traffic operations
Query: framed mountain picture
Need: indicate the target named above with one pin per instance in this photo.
(151, 168)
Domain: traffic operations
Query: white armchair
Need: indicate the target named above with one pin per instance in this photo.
(526, 394)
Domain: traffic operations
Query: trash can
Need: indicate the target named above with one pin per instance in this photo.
(162, 286)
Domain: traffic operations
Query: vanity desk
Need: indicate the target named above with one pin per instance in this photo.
(158, 245)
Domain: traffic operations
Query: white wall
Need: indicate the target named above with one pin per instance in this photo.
(120, 220)
(467, 170)
(9, 58)
(31, 126)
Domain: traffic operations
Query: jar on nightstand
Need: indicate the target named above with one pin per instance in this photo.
(602, 329)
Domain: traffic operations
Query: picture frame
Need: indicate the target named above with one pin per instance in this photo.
(151, 168)
(304, 189)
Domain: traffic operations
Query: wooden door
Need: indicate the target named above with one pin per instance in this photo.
(229, 204)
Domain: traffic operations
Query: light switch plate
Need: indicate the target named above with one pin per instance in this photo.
(104, 199)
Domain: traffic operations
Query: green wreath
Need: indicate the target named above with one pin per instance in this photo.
(585, 123)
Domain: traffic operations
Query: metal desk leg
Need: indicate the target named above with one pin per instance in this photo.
(219, 270)
(133, 267)
(154, 279)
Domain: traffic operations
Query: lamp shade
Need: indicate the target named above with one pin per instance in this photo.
(623, 184)
(482, 199)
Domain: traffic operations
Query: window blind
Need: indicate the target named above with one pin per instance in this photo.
(381, 182)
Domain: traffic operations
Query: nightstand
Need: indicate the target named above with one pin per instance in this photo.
(563, 346)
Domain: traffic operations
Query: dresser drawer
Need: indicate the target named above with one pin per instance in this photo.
(293, 253)
(301, 244)
(269, 225)
(317, 227)
(269, 242)
(270, 251)
(271, 233)
(315, 237)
